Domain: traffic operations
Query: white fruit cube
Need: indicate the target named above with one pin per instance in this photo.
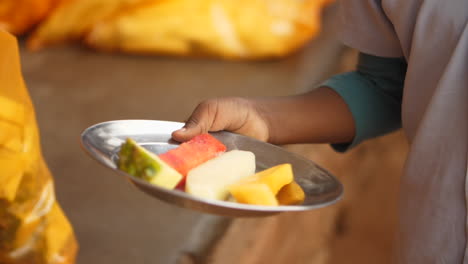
(212, 178)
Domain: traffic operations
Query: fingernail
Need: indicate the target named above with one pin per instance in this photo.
(183, 129)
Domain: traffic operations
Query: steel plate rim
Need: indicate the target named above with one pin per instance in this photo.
(267, 210)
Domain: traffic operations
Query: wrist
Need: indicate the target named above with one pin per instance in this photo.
(262, 108)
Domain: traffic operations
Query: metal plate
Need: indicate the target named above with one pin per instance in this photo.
(102, 141)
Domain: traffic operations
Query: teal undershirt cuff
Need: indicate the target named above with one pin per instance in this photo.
(373, 94)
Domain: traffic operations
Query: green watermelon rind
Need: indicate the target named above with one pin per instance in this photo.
(139, 162)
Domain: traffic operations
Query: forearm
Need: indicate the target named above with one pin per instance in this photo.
(348, 109)
(352, 107)
(319, 116)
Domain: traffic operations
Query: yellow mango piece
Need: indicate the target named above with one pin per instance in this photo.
(275, 177)
(291, 194)
(253, 193)
(12, 111)
(252, 190)
(11, 172)
(11, 137)
(59, 241)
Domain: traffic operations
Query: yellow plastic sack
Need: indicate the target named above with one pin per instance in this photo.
(33, 228)
(73, 19)
(236, 29)
(19, 16)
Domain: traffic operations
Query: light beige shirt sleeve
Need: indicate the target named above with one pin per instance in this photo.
(432, 35)
(364, 26)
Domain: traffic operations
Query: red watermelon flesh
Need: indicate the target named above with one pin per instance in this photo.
(192, 153)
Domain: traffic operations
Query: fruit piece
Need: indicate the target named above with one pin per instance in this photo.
(291, 194)
(275, 177)
(212, 178)
(193, 153)
(251, 190)
(253, 193)
(139, 162)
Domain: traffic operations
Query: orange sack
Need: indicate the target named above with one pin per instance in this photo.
(20, 16)
(33, 228)
(232, 29)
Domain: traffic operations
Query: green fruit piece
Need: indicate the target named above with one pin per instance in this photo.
(139, 162)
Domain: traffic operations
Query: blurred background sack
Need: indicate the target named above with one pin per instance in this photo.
(33, 228)
(20, 16)
(233, 29)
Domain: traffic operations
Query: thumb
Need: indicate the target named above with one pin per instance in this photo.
(198, 123)
(190, 130)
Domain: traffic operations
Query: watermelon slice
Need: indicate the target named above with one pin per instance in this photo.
(192, 153)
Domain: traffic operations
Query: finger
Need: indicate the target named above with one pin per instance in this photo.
(190, 130)
(198, 123)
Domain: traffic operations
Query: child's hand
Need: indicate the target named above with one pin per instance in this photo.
(235, 114)
(317, 116)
